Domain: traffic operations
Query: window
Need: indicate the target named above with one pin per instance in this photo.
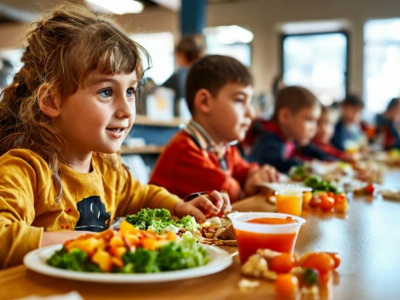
(10, 63)
(232, 41)
(317, 61)
(161, 49)
(381, 63)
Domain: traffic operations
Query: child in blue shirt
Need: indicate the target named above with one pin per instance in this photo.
(285, 141)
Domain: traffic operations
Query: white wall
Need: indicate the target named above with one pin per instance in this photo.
(263, 17)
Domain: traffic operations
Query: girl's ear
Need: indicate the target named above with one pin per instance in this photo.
(49, 102)
(203, 101)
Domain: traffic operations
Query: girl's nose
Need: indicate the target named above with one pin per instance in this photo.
(125, 108)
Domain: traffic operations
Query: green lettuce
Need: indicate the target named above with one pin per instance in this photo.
(182, 254)
(159, 220)
(318, 184)
(76, 260)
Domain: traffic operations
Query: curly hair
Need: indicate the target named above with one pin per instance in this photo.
(62, 49)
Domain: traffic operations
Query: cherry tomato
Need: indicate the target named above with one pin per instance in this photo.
(304, 257)
(320, 261)
(282, 263)
(336, 258)
(327, 203)
(369, 189)
(325, 278)
(341, 203)
(315, 201)
(286, 285)
(340, 197)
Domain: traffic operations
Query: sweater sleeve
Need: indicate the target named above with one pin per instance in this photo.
(241, 167)
(18, 188)
(271, 151)
(313, 152)
(196, 173)
(184, 169)
(136, 196)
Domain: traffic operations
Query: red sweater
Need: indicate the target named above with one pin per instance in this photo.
(330, 149)
(183, 168)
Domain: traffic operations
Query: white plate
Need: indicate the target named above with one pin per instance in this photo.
(36, 261)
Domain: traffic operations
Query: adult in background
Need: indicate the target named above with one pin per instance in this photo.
(189, 49)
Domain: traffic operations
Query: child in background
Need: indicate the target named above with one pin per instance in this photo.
(284, 140)
(326, 128)
(201, 157)
(189, 49)
(61, 123)
(387, 125)
(348, 134)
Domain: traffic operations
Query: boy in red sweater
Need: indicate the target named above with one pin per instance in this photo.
(201, 157)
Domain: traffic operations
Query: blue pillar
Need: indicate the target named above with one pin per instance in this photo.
(192, 16)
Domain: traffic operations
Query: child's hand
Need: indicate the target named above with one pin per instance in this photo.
(212, 203)
(265, 174)
(352, 157)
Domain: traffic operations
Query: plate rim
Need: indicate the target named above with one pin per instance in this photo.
(219, 261)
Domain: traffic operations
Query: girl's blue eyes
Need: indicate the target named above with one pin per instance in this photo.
(130, 92)
(107, 93)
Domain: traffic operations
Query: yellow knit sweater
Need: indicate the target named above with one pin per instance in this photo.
(90, 201)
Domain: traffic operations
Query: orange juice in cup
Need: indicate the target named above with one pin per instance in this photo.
(351, 147)
(289, 199)
(261, 230)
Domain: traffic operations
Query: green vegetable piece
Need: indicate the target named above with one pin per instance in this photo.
(159, 220)
(298, 172)
(310, 276)
(312, 182)
(76, 260)
(186, 253)
(142, 261)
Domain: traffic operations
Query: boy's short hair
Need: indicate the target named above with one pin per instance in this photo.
(353, 101)
(212, 73)
(294, 98)
(394, 102)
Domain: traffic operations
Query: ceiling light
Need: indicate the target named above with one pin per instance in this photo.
(118, 7)
(230, 34)
(174, 5)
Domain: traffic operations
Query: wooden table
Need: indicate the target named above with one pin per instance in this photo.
(367, 238)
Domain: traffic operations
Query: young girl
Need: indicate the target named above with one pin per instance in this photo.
(61, 122)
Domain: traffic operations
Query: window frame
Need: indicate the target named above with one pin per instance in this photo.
(346, 34)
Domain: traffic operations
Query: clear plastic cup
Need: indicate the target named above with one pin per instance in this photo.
(289, 198)
(263, 230)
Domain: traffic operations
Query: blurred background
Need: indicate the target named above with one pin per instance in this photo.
(334, 48)
(331, 47)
